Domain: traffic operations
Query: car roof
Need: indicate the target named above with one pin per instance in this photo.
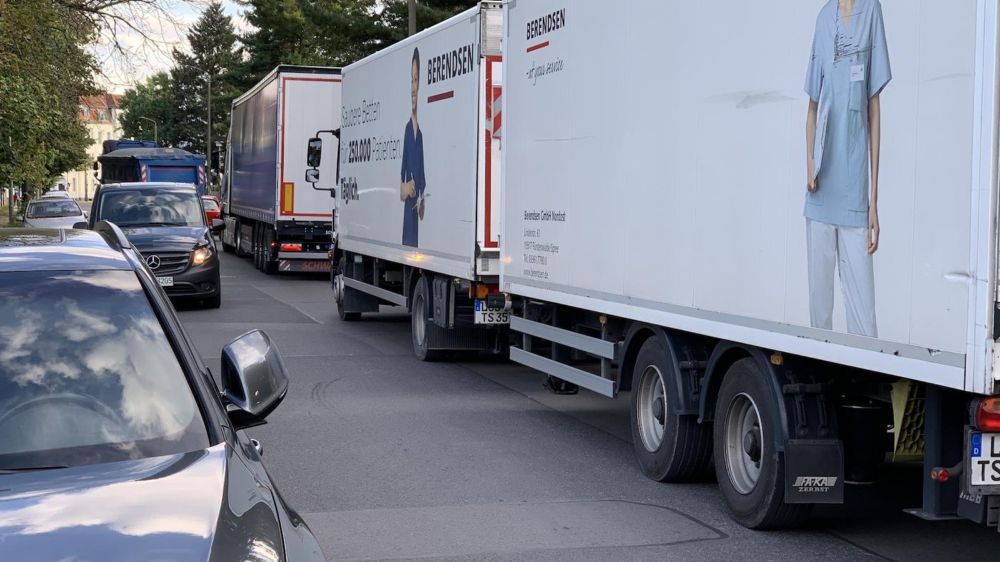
(148, 185)
(56, 249)
(55, 195)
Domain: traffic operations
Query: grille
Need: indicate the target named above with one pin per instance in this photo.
(171, 263)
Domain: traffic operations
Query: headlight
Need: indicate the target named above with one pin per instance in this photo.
(201, 255)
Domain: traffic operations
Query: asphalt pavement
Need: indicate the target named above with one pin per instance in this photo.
(387, 457)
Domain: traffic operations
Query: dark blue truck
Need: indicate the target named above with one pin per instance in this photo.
(142, 161)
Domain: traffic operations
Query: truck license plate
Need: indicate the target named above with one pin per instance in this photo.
(166, 281)
(486, 315)
(984, 458)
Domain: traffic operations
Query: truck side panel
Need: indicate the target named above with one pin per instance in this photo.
(254, 147)
(671, 190)
(441, 153)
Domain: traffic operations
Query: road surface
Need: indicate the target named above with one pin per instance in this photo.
(390, 458)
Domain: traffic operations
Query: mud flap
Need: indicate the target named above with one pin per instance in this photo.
(814, 471)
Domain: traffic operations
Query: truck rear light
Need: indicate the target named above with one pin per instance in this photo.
(291, 247)
(988, 414)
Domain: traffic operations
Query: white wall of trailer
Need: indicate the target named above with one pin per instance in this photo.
(308, 103)
(375, 111)
(654, 168)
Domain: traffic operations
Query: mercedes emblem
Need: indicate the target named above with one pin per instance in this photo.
(153, 262)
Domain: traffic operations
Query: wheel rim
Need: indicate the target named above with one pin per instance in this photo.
(744, 443)
(239, 240)
(419, 318)
(652, 410)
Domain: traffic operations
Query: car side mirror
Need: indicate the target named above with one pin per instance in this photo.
(82, 225)
(254, 381)
(312, 176)
(218, 225)
(314, 152)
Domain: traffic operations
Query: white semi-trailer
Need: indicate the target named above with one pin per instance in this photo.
(418, 204)
(791, 281)
(271, 212)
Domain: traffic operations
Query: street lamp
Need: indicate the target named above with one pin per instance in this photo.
(156, 133)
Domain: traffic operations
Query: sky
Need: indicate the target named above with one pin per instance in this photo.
(146, 51)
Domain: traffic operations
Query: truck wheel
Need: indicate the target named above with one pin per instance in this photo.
(668, 446)
(270, 267)
(751, 473)
(339, 295)
(239, 241)
(419, 327)
(257, 254)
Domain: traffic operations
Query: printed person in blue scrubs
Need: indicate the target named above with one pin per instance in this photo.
(411, 174)
(848, 70)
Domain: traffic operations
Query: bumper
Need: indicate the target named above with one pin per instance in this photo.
(199, 282)
(304, 265)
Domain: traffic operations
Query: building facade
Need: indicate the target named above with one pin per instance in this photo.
(100, 114)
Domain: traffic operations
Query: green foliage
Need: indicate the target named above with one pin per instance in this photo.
(329, 32)
(44, 69)
(152, 100)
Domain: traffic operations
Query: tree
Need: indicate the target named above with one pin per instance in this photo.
(329, 32)
(44, 69)
(214, 56)
(152, 100)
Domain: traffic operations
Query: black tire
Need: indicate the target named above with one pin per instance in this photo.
(762, 505)
(258, 262)
(215, 301)
(419, 327)
(238, 239)
(270, 267)
(345, 316)
(684, 452)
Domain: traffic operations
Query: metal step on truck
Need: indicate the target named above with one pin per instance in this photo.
(418, 199)
(272, 214)
(792, 284)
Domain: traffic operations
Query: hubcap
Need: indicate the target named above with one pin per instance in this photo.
(744, 443)
(419, 318)
(652, 408)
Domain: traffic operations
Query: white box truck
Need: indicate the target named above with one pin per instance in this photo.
(792, 281)
(418, 210)
(271, 212)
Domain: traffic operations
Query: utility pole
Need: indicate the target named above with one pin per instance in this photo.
(10, 198)
(208, 135)
(413, 16)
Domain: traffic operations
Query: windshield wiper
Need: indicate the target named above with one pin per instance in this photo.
(11, 470)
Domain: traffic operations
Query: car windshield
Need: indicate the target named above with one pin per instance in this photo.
(87, 374)
(51, 208)
(210, 204)
(148, 207)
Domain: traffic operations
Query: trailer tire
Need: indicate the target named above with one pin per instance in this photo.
(238, 240)
(257, 255)
(419, 327)
(345, 316)
(269, 266)
(749, 469)
(669, 447)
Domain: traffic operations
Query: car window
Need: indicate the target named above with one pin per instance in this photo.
(210, 204)
(151, 207)
(87, 374)
(52, 208)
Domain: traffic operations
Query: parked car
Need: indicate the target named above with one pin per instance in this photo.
(53, 212)
(166, 223)
(116, 442)
(56, 193)
(213, 210)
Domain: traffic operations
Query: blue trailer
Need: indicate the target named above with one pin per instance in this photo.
(147, 164)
